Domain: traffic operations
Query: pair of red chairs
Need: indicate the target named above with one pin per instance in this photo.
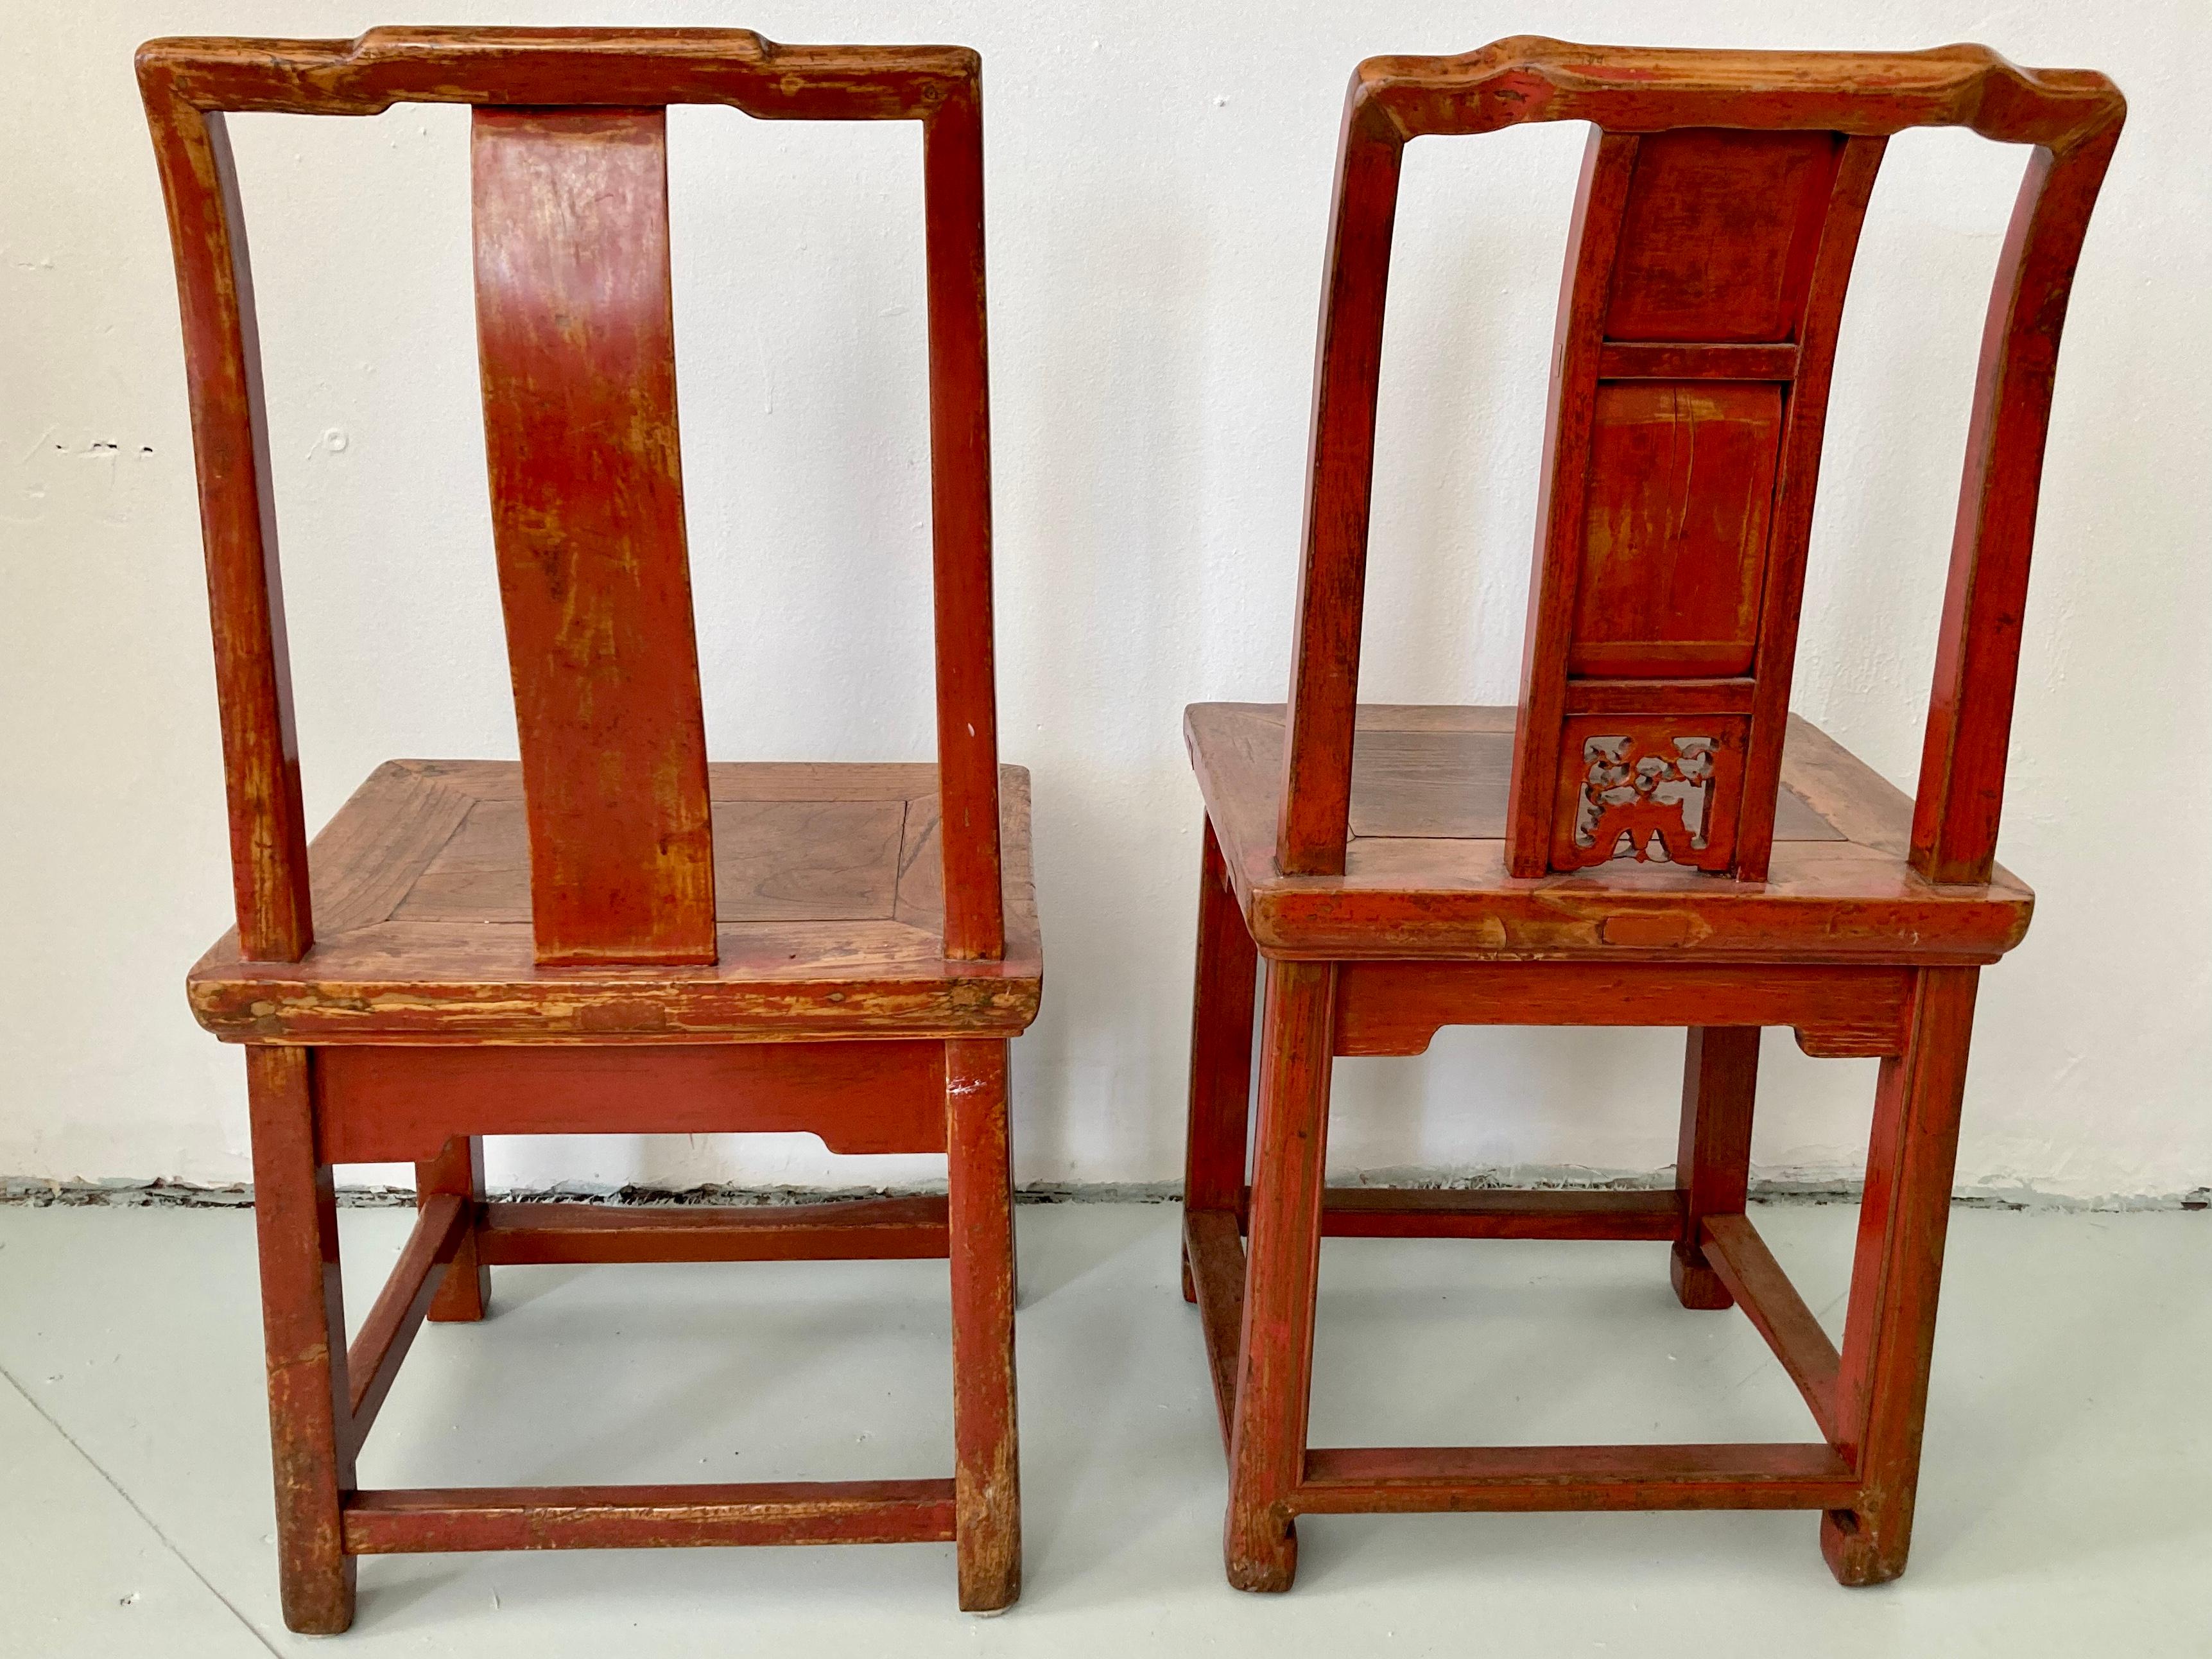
(616, 936)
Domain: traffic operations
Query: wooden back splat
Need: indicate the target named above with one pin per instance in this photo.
(576, 330)
(577, 349)
(1698, 326)
(1710, 248)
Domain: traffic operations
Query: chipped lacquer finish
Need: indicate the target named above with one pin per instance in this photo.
(612, 935)
(1649, 837)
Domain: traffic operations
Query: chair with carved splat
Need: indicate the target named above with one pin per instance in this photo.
(612, 936)
(1651, 838)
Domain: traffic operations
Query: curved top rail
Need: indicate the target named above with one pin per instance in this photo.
(573, 66)
(1529, 77)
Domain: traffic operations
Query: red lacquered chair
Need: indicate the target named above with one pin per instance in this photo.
(1651, 838)
(613, 936)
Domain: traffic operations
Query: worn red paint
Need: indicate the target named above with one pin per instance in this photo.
(592, 983)
(1777, 881)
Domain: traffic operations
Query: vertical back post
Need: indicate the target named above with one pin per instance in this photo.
(1962, 764)
(238, 527)
(1339, 486)
(960, 513)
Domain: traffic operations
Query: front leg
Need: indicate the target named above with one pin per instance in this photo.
(1274, 1368)
(987, 1473)
(1889, 1333)
(303, 1318)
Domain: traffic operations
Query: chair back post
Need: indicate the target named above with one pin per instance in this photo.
(1340, 484)
(1714, 233)
(1955, 810)
(238, 523)
(960, 512)
(622, 866)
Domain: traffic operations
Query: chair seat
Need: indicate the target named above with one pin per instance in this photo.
(1424, 870)
(828, 907)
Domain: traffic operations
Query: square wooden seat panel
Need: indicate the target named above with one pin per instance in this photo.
(828, 907)
(1424, 870)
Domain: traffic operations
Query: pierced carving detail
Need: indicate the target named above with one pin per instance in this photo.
(1638, 802)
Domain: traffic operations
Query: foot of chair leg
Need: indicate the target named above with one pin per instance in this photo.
(1259, 1550)
(317, 1596)
(465, 1294)
(1860, 1551)
(990, 1575)
(1696, 1285)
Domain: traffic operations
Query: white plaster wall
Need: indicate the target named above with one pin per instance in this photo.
(1159, 180)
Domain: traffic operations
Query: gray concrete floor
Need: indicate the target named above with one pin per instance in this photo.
(2066, 1499)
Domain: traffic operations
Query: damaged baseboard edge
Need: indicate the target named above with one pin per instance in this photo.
(1777, 1187)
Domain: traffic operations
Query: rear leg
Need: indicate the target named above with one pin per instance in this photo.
(466, 1291)
(1220, 1049)
(1712, 1167)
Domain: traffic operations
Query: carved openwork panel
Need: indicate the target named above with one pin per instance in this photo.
(1661, 791)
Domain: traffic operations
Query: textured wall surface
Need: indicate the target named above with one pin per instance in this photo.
(1160, 181)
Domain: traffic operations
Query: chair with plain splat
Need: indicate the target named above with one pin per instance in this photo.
(1651, 838)
(612, 936)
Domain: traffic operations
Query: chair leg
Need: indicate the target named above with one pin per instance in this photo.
(1274, 1367)
(1220, 1049)
(1882, 1394)
(466, 1288)
(303, 1316)
(986, 1473)
(1712, 1165)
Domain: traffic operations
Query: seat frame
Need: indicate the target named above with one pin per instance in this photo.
(623, 903)
(1390, 968)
